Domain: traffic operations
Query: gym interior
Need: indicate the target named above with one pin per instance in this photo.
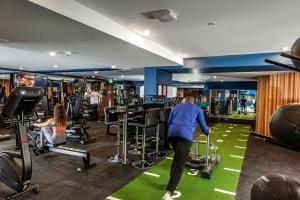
(111, 72)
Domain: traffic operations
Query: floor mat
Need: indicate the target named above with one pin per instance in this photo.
(231, 140)
(248, 116)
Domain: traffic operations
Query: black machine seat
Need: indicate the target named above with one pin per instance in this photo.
(163, 123)
(152, 118)
(165, 115)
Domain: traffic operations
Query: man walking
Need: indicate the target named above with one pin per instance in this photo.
(182, 123)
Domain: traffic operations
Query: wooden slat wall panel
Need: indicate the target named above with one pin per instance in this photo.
(273, 92)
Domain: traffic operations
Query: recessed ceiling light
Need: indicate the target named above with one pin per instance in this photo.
(122, 76)
(285, 49)
(68, 53)
(95, 72)
(20, 68)
(55, 66)
(222, 80)
(215, 77)
(185, 55)
(52, 53)
(113, 66)
(195, 71)
(211, 23)
(146, 32)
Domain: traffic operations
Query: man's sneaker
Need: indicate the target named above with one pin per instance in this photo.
(167, 196)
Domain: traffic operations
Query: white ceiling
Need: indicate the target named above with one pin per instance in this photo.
(243, 26)
(33, 31)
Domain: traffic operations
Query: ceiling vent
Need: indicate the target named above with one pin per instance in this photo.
(161, 15)
(67, 53)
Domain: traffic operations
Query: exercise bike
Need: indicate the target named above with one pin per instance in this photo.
(205, 163)
(16, 166)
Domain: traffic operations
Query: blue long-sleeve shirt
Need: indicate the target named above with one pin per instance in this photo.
(183, 121)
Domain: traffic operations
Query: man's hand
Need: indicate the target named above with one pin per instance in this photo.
(209, 131)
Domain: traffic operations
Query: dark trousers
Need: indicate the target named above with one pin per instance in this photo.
(182, 149)
(94, 114)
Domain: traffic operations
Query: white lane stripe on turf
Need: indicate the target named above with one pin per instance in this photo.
(225, 192)
(169, 158)
(244, 135)
(112, 198)
(234, 156)
(151, 174)
(242, 140)
(239, 147)
(232, 170)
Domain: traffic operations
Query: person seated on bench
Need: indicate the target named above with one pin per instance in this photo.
(54, 129)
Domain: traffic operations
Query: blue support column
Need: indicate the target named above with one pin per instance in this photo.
(150, 87)
(154, 76)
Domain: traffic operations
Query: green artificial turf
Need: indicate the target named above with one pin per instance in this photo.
(227, 137)
(248, 116)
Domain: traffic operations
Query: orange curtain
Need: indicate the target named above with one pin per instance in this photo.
(273, 92)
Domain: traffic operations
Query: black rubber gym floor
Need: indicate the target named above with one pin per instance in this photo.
(263, 158)
(59, 180)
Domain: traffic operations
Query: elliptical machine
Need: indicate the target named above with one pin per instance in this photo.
(205, 163)
(16, 166)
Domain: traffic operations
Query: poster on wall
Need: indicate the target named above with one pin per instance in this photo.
(142, 91)
(164, 92)
(24, 80)
(159, 90)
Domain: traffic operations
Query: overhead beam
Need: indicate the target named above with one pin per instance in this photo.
(77, 70)
(16, 71)
(237, 63)
(89, 17)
